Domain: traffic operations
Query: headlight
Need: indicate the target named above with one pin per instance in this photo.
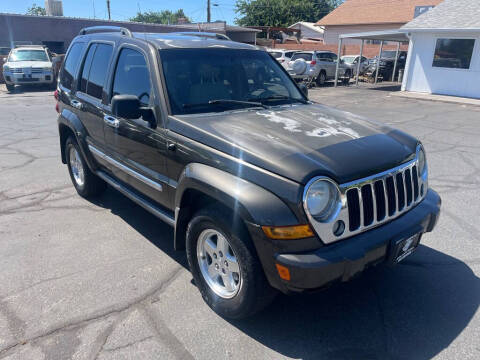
(322, 199)
(422, 160)
(6, 68)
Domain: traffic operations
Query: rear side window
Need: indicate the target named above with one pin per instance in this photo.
(132, 76)
(304, 56)
(98, 70)
(71, 64)
(86, 68)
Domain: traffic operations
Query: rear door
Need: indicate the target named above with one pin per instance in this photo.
(137, 149)
(325, 62)
(89, 96)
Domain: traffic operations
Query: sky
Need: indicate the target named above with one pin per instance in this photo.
(196, 10)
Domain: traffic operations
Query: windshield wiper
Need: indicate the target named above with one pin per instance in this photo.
(282, 97)
(225, 101)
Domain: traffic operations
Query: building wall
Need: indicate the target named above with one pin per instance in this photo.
(423, 77)
(332, 32)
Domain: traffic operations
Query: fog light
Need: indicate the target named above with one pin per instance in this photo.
(338, 228)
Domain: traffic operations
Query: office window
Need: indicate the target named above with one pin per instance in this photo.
(453, 53)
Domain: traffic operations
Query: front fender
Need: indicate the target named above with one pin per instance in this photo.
(251, 202)
(254, 203)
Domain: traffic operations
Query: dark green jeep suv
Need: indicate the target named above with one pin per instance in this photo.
(266, 190)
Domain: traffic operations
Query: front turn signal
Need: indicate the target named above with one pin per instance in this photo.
(288, 232)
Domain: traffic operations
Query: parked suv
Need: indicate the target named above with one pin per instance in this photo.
(282, 56)
(266, 191)
(30, 64)
(317, 65)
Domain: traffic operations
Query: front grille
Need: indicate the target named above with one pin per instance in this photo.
(379, 199)
(16, 70)
(37, 70)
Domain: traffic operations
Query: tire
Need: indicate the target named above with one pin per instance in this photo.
(346, 78)
(249, 291)
(321, 78)
(85, 182)
(10, 87)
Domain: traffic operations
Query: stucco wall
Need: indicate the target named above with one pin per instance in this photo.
(332, 32)
(423, 77)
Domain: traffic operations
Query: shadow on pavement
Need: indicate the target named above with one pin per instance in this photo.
(411, 311)
(31, 88)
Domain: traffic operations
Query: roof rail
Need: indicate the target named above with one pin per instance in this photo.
(97, 29)
(32, 46)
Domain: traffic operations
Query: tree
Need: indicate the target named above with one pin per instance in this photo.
(281, 13)
(160, 17)
(36, 10)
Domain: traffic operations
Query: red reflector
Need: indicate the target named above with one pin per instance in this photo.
(57, 108)
(55, 94)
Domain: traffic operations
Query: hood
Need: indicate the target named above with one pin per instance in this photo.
(301, 141)
(27, 64)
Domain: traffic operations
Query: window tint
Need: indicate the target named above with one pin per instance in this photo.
(324, 57)
(132, 76)
(71, 63)
(98, 70)
(86, 68)
(453, 53)
(289, 54)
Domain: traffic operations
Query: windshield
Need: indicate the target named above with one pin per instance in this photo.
(389, 54)
(196, 79)
(349, 59)
(304, 56)
(28, 55)
(276, 55)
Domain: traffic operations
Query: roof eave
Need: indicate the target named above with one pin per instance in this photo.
(438, 30)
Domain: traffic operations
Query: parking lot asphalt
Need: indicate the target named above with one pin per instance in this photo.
(100, 279)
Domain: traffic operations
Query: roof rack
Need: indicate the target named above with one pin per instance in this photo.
(97, 29)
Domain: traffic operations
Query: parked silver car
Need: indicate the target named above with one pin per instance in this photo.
(351, 61)
(318, 66)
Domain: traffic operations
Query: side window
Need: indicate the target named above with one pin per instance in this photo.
(71, 63)
(98, 70)
(86, 68)
(324, 57)
(132, 76)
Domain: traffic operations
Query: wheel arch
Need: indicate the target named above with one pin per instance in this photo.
(201, 185)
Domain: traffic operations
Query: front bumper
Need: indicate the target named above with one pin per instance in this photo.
(36, 78)
(342, 261)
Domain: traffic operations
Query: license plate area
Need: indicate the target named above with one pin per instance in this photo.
(405, 247)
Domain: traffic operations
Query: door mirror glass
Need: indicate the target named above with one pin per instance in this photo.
(126, 106)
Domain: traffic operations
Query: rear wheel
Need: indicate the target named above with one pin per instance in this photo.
(347, 77)
(10, 87)
(225, 266)
(321, 78)
(86, 183)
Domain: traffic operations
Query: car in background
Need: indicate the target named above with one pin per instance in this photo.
(351, 61)
(387, 63)
(318, 66)
(282, 56)
(29, 64)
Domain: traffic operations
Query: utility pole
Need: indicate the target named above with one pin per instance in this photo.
(208, 11)
(108, 9)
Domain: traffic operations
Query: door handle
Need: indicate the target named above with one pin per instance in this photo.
(111, 121)
(76, 104)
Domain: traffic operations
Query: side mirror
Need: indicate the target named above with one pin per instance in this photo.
(129, 107)
(304, 89)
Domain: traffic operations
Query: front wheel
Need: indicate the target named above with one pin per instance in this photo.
(321, 78)
(225, 266)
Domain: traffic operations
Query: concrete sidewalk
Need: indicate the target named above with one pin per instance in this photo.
(434, 97)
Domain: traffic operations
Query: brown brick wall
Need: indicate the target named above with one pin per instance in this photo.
(369, 50)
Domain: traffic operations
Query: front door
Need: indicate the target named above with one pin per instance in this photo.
(138, 150)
